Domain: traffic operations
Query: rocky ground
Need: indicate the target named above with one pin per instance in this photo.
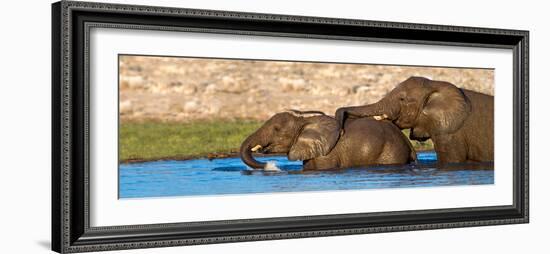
(170, 89)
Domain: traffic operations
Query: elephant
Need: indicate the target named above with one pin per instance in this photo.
(458, 121)
(314, 138)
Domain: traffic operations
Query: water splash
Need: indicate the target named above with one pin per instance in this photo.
(272, 166)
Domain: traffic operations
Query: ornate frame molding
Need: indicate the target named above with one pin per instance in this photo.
(71, 22)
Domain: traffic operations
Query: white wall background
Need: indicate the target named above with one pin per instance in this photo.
(25, 126)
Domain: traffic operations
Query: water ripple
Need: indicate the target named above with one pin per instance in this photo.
(231, 176)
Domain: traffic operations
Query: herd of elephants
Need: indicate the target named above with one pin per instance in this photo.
(458, 121)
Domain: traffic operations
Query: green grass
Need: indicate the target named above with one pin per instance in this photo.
(420, 146)
(157, 140)
(147, 141)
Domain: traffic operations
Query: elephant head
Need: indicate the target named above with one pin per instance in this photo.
(301, 135)
(425, 106)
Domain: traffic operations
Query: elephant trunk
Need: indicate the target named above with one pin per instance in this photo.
(246, 150)
(379, 110)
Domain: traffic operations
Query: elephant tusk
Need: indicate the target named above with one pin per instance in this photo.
(256, 148)
(381, 117)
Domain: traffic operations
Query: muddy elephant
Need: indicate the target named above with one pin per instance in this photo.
(315, 139)
(459, 121)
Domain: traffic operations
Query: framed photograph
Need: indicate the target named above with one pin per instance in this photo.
(179, 126)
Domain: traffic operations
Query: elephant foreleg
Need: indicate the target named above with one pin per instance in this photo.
(450, 149)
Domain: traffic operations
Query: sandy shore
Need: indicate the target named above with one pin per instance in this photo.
(173, 89)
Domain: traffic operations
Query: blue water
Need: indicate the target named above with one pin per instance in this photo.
(231, 176)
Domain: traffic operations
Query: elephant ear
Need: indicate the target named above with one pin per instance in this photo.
(447, 107)
(317, 138)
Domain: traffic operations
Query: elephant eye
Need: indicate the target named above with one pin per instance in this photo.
(276, 128)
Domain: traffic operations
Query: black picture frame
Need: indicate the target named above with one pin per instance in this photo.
(71, 231)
